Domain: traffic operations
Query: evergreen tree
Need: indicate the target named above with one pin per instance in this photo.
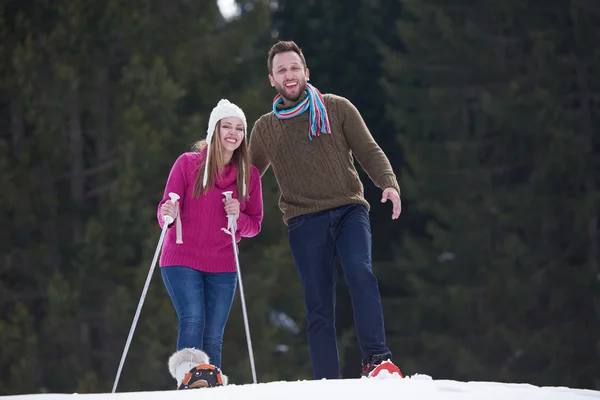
(500, 283)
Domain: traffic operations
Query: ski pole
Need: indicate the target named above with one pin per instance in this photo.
(168, 220)
(233, 227)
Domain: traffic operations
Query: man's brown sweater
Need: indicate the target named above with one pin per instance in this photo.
(319, 174)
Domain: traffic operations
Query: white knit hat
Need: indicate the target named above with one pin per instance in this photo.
(224, 109)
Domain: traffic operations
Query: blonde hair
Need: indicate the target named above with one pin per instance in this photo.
(240, 158)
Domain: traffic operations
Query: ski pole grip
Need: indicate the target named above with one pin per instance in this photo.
(174, 197)
(167, 218)
(228, 197)
(230, 217)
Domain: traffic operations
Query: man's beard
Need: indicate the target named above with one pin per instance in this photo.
(281, 90)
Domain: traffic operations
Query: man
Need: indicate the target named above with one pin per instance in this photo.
(311, 141)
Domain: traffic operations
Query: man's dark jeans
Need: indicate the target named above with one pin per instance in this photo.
(317, 240)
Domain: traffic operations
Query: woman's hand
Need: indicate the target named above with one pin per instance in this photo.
(232, 207)
(170, 209)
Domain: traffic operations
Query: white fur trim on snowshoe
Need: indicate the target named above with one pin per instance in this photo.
(182, 361)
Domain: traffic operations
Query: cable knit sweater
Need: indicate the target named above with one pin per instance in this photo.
(319, 174)
(205, 246)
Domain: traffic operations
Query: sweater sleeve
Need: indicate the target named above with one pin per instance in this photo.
(258, 152)
(176, 183)
(249, 222)
(368, 153)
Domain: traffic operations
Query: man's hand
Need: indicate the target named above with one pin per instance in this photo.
(392, 194)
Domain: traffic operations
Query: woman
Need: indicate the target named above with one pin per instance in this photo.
(197, 261)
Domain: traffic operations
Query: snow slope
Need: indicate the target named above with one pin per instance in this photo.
(421, 387)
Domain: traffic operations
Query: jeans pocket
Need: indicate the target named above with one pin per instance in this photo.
(295, 222)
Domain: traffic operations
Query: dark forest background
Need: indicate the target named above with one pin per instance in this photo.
(488, 111)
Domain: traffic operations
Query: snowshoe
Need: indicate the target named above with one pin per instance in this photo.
(191, 368)
(202, 376)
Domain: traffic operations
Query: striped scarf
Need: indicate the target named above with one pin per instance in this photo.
(319, 121)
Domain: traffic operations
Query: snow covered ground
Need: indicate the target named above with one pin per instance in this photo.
(421, 387)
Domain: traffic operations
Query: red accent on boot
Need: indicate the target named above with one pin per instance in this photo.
(388, 366)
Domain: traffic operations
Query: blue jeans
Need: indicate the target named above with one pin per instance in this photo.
(202, 302)
(317, 240)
